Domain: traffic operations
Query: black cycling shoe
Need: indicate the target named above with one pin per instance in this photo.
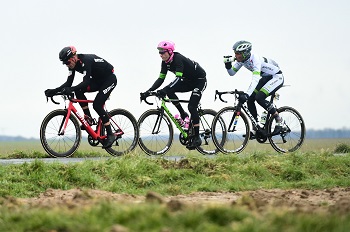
(196, 142)
(108, 142)
(277, 130)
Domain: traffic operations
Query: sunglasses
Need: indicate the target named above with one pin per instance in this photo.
(162, 52)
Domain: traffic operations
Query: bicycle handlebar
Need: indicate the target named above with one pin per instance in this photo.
(236, 92)
(67, 96)
(143, 97)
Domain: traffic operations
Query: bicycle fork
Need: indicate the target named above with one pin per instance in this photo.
(64, 123)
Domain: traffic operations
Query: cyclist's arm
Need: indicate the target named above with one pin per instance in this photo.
(86, 79)
(235, 67)
(256, 75)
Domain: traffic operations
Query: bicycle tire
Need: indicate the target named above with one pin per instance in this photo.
(294, 136)
(123, 119)
(155, 143)
(57, 145)
(206, 117)
(229, 142)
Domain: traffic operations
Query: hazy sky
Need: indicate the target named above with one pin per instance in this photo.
(309, 39)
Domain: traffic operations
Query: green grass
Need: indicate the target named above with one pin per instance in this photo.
(136, 174)
(104, 216)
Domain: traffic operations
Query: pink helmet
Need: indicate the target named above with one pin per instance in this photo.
(167, 46)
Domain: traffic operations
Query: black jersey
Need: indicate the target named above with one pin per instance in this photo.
(183, 67)
(94, 68)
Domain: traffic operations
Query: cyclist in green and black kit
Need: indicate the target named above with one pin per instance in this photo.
(190, 76)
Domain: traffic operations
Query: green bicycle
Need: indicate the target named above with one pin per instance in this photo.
(156, 131)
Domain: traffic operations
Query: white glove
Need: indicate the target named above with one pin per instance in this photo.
(228, 59)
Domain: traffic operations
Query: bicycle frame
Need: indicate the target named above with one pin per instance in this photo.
(244, 107)
(96, 135)
(163, 108)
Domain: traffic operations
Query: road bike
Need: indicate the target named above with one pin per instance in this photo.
(156, 130)
(60, 131)
(237, 120)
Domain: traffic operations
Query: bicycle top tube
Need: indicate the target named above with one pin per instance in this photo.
(75, 100)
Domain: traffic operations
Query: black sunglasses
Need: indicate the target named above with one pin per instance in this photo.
(162, 52)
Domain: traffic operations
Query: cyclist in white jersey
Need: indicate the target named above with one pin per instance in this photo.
(267, 78)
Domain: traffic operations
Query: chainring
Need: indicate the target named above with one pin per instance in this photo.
(260, 137)
(183, 141)
(93, 142)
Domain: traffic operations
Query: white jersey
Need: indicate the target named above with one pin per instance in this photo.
(259, 66)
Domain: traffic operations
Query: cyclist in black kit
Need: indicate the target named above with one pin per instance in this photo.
(98, 76)
(189, 77)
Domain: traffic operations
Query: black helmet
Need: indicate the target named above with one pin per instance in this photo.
(66, 53)
(243, 47)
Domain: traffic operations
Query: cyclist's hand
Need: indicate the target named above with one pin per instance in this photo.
(228, 61)
(50, 92)
(161, 93)
(144, 95)
(67, 90)
(243, 97)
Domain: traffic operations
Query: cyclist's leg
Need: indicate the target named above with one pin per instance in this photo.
(79, 93)
(104, 91)
(275, 83)
(178, 86)
(198, 88)
(178, 106)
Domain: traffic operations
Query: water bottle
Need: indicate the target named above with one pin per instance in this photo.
(263, 118)
(179, 120)
(186, 122)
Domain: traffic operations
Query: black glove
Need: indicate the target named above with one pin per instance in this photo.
(144, 95)
(228, 65)
(228, 62)
(243, 97)
(67, 91)
(161, 93)
(50, 92)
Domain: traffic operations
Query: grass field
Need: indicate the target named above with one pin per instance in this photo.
(257, 190)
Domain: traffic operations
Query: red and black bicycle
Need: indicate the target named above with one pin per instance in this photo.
(60, 131)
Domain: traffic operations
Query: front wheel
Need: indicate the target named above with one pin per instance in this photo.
(57, 140)
(125, 128)
(235, 135)
(293, 134)
(156, 132)
(206, 118)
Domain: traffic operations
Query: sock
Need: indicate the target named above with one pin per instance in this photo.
(278, 118)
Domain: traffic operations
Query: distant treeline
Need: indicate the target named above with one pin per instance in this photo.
(327, 133)
(310, 133)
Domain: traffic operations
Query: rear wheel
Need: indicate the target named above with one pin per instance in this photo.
(235, 136)
(293, 134)
(58, 143)
(125, 128)
(156, 132)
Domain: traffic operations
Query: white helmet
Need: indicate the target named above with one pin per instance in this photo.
(243, 47)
